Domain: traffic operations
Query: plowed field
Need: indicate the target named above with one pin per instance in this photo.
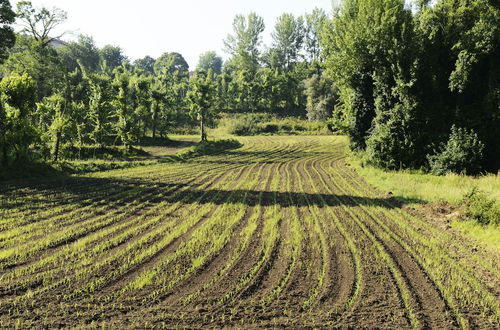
(278, 233)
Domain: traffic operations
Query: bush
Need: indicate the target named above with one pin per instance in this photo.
(96, 152)
(463, 153)
(249, 124)
(209, 148)
(480, 208)
(394, 142)
(321, 96)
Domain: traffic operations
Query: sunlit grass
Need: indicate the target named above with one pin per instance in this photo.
(430, 188)
(450, 188)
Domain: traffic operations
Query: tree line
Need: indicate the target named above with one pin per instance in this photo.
(418, 82)
(414, 84)
(56, 94)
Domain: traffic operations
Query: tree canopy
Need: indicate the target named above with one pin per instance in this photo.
(410, 85)
(7, 36)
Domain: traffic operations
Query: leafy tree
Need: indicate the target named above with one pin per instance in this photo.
(225, 97)
(76, 93)
(41, 63)
(146, 63)
(171, 62)
(124, 103)
(54, 109)
(245, 41)
(158, 99)
(7, 36)
(100, 109)
(321, 97)
(288, 38)
(314, 25)
(368, 52)
(40, 22)
(17, 100)
(462, 153)
(201, 96)
(113, 56)
(210, 60)
(459, 73)
(142, 103)
(167, 92)
(84, 51)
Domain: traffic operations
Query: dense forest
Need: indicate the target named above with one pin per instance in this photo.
(413, 85)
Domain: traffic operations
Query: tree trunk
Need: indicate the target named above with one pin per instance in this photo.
(155, 118)
(202, 126)
(5, 160)
(56, 151)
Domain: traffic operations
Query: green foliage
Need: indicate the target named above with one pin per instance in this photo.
(112, 56)
(7, 36)
(39, 22)
(146, 63)
(100, 108)
(288, 38)
(126, 121)
(321, 97)
(459, 71)
(54, 112)
(201, 98)
(245, 124)
(41, 63)
(17, 97)
(244, 43)
(82, 52)
(210, 60)
(393, 143)
(366, 49)
(404, 77)
(480, 208)
(268, 124)
(315, 22)
(209, 148)
(462, 153)
(171, 63)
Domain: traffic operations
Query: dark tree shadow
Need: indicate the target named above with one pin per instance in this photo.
(74, 187)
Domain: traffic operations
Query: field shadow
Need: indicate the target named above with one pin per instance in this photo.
(288, 199)
(73, 188)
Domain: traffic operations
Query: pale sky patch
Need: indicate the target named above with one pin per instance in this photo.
(152, 27)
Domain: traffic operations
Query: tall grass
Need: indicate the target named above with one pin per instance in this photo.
(451, 188)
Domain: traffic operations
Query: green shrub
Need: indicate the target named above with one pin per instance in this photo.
(209, 148)
(96, 152)
(463, 153)
(480, 208)
(249, 124)
(91, 166)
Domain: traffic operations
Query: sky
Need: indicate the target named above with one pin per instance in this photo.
(153, 27)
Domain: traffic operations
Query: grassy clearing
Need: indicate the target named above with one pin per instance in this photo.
(451, 188)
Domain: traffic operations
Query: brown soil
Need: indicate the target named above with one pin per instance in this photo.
(344, 255)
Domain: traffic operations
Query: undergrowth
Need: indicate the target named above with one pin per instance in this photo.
(480, 208)
(107, 152)
(248, 124)
(476, 198)
(91, 159)
(207, 148)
